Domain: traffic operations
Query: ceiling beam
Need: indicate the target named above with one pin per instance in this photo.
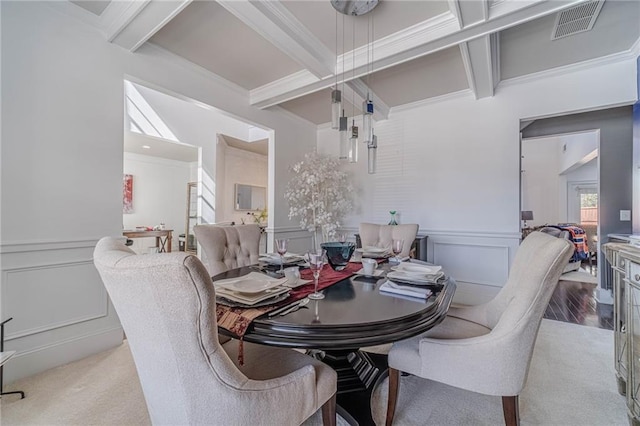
(438, 33)
(273, 21)
(140, 22)
(276, 24)
(481, 62)
(358, 90)
(470, 12)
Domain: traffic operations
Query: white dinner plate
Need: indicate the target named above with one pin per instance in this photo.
(410, 268)
(376, 273)
(414, 278)
(251, 299)
(274, 258)
(235, 304)
(252, 283)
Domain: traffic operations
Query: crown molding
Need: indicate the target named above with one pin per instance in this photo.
(284, 89)
(571, 68)
(118, 15)
(460, 94)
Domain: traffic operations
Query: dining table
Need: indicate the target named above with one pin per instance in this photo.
(354, 314)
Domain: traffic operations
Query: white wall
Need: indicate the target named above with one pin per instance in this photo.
(62, 141)
(453, 166)
(159, 196)
(541, 180)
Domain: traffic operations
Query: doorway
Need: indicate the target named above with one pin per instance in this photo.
(613, 162)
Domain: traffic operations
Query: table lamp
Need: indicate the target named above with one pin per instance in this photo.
(526, 215)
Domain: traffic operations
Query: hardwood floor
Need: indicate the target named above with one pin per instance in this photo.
(576, 303)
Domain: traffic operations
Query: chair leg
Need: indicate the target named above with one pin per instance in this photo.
(510, 410)
(392, 399)
(329, 412)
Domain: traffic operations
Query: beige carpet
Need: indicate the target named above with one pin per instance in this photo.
(571, 382)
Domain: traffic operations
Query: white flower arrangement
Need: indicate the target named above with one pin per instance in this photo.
(320, 194)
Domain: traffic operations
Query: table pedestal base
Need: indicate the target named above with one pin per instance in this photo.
(358, 375)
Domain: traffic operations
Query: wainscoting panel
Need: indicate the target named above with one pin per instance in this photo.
(474, 258)
(487, 265)
(46, 297)
(60, 308)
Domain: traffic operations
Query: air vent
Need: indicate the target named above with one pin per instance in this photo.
(577, 19)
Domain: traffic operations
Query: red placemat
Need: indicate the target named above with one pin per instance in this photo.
(238, 320)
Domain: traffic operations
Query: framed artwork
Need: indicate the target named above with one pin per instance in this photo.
(127, 194)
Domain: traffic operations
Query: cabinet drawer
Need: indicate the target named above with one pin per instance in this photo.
(634, 272)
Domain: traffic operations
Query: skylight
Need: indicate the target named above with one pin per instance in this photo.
(142, 118)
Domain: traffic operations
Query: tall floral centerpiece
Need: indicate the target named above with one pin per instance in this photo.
(320, 194)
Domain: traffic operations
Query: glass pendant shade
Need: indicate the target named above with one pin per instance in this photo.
(372, 154)
(344, 140)
(336, 108)
(353, 145)
(367, 120)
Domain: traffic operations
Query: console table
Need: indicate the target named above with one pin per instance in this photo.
(163, 238)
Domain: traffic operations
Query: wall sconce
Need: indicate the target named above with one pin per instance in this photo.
(526, 215)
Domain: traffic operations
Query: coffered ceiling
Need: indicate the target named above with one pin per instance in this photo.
(284, 53)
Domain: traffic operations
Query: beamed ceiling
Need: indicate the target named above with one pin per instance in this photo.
(283, 53)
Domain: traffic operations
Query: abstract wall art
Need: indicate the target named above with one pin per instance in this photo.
(127, 194)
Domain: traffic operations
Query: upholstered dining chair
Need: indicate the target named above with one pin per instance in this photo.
(166, 303)
(374, 235)
(487, 348)
(228, 247)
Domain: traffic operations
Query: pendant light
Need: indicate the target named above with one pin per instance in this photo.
(367, 108)
(349, 147)
(336, 94)
(343, 122)
(353, 140)
(353, 144)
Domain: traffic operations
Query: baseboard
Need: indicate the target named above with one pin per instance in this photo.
(43, 358)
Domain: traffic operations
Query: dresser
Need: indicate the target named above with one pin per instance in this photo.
(624, 260)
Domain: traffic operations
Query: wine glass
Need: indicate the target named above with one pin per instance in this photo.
(281, 248)
(396, 247)
(316, 262)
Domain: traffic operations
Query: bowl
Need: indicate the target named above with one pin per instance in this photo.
(338, 254)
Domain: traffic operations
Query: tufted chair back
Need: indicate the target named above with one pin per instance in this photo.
(166, 304)
(374, 235)
(229, 247)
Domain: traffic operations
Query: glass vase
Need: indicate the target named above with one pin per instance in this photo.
(393, 220)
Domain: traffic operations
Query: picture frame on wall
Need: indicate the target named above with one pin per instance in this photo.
(127, 194)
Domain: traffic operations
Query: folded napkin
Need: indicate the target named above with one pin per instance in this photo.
(419, 292)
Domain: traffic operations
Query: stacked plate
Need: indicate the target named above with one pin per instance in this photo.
(415, 274)
(251, 290)
(374, 252)
(275, 259)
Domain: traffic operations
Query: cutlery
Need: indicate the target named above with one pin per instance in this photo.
(284, 308)
(295, 307)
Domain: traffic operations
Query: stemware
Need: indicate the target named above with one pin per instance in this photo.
(396, 247)
(281, 248)
(316, 262)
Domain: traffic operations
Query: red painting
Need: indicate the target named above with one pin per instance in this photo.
(127, 194)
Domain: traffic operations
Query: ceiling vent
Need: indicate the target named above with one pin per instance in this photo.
(577, 19)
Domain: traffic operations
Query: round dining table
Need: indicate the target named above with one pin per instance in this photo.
(354, 314)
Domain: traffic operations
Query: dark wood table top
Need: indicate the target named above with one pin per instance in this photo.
(353, 314)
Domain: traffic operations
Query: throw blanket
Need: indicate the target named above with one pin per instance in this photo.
(579, 239)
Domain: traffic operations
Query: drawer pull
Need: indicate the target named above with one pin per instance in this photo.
(622, 262)
(637, 277)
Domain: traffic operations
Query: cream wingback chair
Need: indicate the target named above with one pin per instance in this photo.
(228, 247)
(374, 235)
(487, 348)
(166, 303)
